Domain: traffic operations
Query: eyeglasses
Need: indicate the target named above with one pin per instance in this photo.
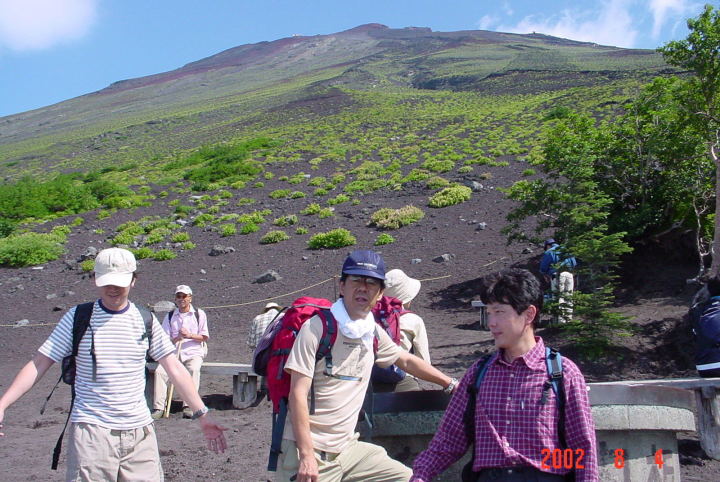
(181, 296)
(364, 279)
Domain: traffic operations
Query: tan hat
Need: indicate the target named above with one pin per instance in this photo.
(272, 305)
(185, 289)
(114, 266)
(401, 286)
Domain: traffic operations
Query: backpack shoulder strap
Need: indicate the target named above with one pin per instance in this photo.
(553, 362)
(148, 321)
(81, 322)
(469, 414)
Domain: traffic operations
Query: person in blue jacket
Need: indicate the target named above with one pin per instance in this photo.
(557, 270)
(705, 318)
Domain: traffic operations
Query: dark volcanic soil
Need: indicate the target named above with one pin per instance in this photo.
(655, 294)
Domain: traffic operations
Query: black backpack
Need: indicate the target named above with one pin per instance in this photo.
(81, 322)
(553, 363)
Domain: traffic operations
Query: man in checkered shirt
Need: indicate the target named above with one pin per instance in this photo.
(516, 414)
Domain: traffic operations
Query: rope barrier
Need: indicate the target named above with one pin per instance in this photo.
(256, 301)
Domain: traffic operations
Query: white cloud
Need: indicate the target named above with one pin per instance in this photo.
(612, 24)
(39, 24)
(486, 22)
(662, 9)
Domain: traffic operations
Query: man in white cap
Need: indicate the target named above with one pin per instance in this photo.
(188, 330)
(260, 323)
(111, 434)
(257, 328)
(413, 336)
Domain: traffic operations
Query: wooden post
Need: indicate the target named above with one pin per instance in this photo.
(708, 413)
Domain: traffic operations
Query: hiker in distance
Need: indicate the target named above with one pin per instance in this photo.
(323, 446)
(188, 330)
(508, 408)
(556, 267)
(111, 434)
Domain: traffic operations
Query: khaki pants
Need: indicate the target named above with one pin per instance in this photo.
(359, 462)
(97, 453)
(193, 365)
(563, 286)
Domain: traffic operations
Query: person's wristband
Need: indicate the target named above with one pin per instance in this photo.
(199, 413)
(451, 386)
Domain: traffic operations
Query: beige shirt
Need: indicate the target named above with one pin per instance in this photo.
(413, 336)
(337, 402)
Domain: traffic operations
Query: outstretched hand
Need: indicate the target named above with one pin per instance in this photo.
(213, 434)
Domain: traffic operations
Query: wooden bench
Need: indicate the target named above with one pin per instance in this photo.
(707, 406)
(245, 381)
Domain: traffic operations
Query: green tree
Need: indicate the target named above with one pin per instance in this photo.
(700, 54)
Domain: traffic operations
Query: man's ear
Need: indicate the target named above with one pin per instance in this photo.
(530, 314)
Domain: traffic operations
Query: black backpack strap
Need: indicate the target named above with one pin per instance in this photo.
(81, 322)
(553, 362)
(278, 427)
(469, 414)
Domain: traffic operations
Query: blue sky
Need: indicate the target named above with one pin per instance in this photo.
(53, 50)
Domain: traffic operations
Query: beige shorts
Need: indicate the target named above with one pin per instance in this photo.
(358, 462)
(98, 453)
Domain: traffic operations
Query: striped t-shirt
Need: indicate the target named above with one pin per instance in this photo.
(116, 399)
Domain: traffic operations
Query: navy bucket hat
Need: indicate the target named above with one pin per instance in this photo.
(364, 263)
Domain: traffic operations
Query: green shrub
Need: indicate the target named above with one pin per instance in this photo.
(188, 245)
(203, 219)
(124, 238)
(340, 198)
(244, 201)
(436, 165)
(274, 237)
(163, 194)
(249, 227)
(103, 213)
(213, 210)
(232, 217)
(224, 194)
(174, 202)
(268, 175)
(465, 170)
(77, 221)
(437, 182)
(317, 181)
(387, 218)
(326, 213)
(384, 238)
(528, 172)
(288, 220)
(238, 185)
(180, 237)
(228, 230)
(155, 237)
(259, 184)
(337, 238)
(297, 178)
(301, 230)
(256, 217)
(164, 255)
(450, 196)
(99, 231)
(297, 195)
(143, 253)
(312, 208)
(280, 193)
(131, 227)
(30, 249)
(87, 265)
(319, 192)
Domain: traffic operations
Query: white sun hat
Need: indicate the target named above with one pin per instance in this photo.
(401, 286)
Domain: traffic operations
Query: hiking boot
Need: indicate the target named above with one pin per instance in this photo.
(187, 412)
(156, 414)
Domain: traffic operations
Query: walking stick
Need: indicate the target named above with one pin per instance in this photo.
(171, 386)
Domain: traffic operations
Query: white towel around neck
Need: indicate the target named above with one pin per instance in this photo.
(363, 328)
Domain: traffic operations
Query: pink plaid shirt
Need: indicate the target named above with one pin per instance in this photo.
(513, 428)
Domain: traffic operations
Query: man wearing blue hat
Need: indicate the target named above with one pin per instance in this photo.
(323, 445)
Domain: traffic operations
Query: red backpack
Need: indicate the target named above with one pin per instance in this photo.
(272, 353)
(387, 313)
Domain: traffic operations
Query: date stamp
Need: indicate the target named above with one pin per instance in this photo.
(573, 459)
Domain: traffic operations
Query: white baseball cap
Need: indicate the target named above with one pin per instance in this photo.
(114, 266)
(183, 289)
